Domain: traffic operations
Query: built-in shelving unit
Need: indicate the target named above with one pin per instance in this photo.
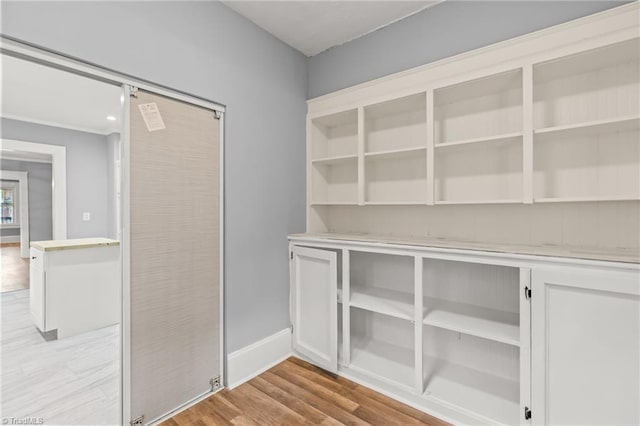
(586, 121)
(471, 332)
(563, 130)
(441, 184)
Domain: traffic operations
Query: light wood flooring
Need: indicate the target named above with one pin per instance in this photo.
(14, 270)
(71, 381)
(297, 393)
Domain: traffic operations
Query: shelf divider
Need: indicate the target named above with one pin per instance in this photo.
(361, 162)
(527, 133)
(430, 149)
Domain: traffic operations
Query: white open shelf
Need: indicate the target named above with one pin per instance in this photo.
(398, 177)
(507, 137)
(478, 393)
(397, 153)
(396, 125)
(388, 302)
(482, 173)
(329, 161)
(480, 201)
(500, 326)
(478, 109)
(589, 128)
(334, 135)
(335, 182)
(384, 361)
(592, 91)
(630, 197)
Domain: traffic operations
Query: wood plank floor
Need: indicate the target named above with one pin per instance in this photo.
(298, 393)
(14, 270)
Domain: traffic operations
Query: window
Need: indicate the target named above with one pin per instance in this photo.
(9, 203)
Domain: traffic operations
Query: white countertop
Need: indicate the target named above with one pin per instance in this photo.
(78, 243)
(618, 255)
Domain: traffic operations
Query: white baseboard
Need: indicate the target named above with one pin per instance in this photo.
(10, 239)
(250, 361)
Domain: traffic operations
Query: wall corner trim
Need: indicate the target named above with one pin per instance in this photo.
(250, 361)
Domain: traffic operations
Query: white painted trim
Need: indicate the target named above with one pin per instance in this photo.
(13, 157)
(250, 361)
(125, 251)
(10, 239)
(56, 124)
(23, 206)
(58, 175)
(221, 322)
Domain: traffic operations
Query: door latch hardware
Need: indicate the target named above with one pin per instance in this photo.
(527, 293)
(527, 413)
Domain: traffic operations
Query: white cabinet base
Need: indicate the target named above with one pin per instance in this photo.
(75, 290)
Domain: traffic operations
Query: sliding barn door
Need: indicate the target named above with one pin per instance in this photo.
(175, 253)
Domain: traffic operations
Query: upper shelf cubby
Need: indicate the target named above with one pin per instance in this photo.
(487, 108)
(399, 124)
(334, 136)
(588, 89)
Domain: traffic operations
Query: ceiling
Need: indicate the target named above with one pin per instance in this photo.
(44, 95)
(314, 26)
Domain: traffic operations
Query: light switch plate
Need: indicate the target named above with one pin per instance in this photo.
(86, 216)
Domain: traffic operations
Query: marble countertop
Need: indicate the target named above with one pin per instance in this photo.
(78, 243)
(619, 255)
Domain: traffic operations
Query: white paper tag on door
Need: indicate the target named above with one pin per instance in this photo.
(151, 116)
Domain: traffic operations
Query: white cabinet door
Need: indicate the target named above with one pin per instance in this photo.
(37, 289)
(314, 289)
(585, 347)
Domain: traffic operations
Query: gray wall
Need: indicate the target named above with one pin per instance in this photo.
(39, 179)
(86, 172)
(207, 49)
(447, 29)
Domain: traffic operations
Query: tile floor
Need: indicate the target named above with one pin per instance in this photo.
(72, 381)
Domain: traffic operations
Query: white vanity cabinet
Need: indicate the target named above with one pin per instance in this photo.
(75, 285)
(472, 337)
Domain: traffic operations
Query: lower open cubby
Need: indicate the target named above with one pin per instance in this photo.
(383, 347)
(472, 374)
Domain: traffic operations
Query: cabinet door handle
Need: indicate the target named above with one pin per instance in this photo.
(33, 257)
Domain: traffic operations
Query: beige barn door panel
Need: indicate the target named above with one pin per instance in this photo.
(175, 253)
